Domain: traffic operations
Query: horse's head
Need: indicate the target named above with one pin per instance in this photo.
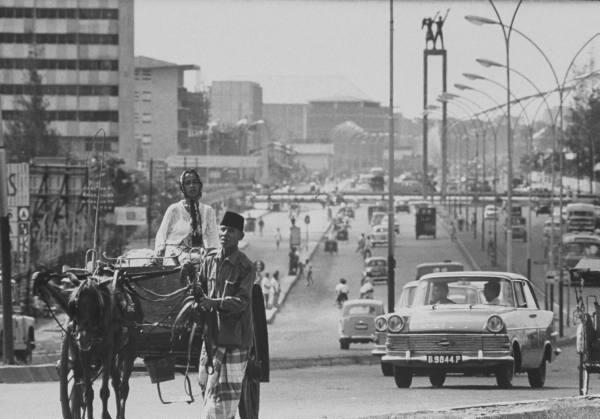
(86, 308)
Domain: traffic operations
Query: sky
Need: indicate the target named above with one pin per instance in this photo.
(327, 40)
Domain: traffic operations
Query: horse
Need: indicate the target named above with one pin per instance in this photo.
(103, 315)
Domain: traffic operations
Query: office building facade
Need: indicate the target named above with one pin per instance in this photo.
(83, 51)
(162, 119)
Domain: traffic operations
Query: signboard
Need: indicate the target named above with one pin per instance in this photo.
(130, 216)
(17, 180)
(295, 239)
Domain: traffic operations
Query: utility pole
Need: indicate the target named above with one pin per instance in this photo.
(149, 213)
(7, 345)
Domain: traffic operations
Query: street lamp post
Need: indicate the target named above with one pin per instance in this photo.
(506, 32)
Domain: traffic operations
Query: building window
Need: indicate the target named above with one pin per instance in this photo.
(147, 96)
(146, 139)
(146, 118)
(41, 64)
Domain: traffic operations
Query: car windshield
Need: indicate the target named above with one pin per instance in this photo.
(361, 310)
(377, 263)
(581, 249)
(407, 297)
(467, 290)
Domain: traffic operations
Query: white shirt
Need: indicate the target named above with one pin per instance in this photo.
(176, 226)
(341, 288)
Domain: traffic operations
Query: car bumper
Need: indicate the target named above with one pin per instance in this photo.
(378, 351)
(357, 338)
(470, 361)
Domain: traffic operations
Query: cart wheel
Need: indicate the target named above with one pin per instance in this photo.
(584, 377)
(69, 370)
(537, 377)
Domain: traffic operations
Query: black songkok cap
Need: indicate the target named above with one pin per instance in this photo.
(233, 219)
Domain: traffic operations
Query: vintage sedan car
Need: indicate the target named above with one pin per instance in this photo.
(503, 333)
(357, 323)
(379, 235)
(376, 269)
(457, 292)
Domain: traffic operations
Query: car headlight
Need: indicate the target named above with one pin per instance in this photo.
(380, 324)
(495, 324)
(395, 324)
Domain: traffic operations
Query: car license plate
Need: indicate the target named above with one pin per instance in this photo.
(444, 359)
(360, 326)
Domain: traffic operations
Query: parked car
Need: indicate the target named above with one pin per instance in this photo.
(402, 206)
(379, 235)
(376, 268)
(490, 212)
(23, 335)
(507, 333)
(384, 221)
(357, 324)
(543, 208)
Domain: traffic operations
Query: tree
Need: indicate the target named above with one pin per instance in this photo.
(29, 134)
(583, 132)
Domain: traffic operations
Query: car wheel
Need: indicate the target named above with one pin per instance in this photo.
(437, 379)
(344, 344)
(402, 377)
(387, 369)
(537, 377)
(504, 375)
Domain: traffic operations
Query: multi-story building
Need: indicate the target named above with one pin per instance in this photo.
(162, 119)
(83, 51)
(325, 114)
(234, 101)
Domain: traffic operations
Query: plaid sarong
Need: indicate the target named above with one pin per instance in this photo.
(222, 389)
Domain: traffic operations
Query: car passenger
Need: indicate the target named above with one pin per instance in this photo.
(439, 294)
(491, 291)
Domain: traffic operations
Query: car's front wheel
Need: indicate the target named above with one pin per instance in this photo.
(504, 375)
(387, 369)
(537, 377)
(402, 377)
(437, 379)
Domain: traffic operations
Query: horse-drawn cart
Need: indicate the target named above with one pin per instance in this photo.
(126, 309)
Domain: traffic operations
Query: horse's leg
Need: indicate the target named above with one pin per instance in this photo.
(127, 368)
(116, 382)
(88, 389)
(107, 364)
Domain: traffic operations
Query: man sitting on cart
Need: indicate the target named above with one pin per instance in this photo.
(187, 223)
(226, 276)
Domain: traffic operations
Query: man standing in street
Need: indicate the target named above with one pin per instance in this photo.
(226, 276)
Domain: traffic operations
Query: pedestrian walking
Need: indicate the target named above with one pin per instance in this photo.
(341, 293)
(278, 237)
(265, 285)
(300, 271)
(309, 273)
(275, 290)
(261, 226)
(228, 296)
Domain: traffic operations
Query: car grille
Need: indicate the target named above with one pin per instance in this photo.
(447, 342)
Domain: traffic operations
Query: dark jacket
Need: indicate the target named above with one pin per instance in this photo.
(230, 280)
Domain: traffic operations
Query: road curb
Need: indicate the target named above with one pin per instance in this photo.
(13, 374)
(564, 407)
